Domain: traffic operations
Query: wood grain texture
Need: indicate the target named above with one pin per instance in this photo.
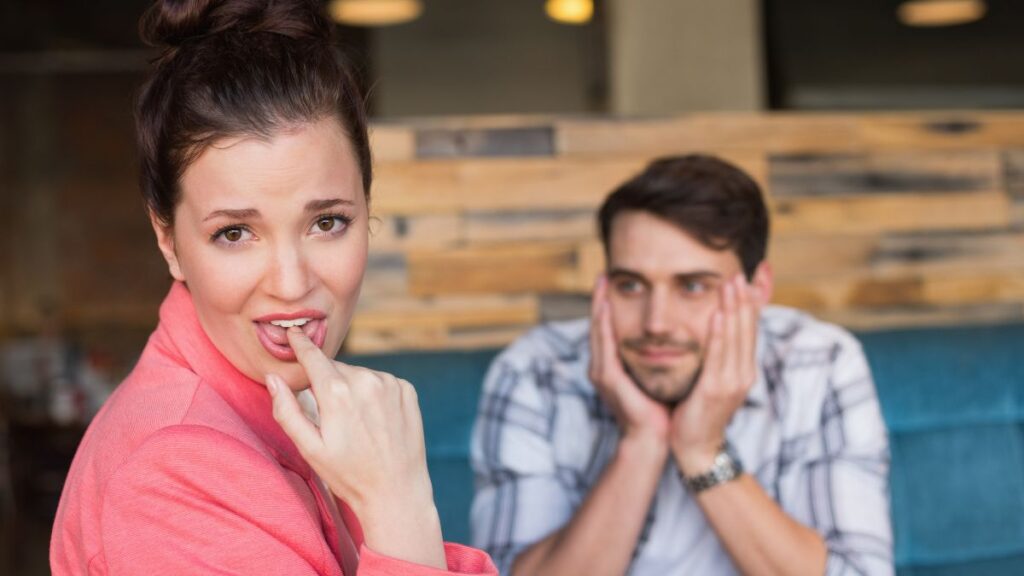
(483, 226)
(909, 172)
(920, 211)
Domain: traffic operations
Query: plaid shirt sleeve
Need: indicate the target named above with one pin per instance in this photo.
(519, 499)
(843, 491)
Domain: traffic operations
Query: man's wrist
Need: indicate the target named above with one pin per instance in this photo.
(696, 459)
(724, 467)
(645, 446)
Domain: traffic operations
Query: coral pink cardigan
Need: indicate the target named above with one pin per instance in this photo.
(185, 471)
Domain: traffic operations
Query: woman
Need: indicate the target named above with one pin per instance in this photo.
(256, 172)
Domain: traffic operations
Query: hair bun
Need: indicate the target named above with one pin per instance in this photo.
(173, 23)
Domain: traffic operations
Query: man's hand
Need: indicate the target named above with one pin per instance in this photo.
(730, 370)
(636, 413)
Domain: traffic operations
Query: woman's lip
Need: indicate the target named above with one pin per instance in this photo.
(311, 314)
(316, 331)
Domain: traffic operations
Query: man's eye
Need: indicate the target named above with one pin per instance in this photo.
(629, 286)
(695, 287)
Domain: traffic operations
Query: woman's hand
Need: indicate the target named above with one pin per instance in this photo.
(368, 449)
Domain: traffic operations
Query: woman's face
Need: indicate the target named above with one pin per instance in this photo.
(272, 233)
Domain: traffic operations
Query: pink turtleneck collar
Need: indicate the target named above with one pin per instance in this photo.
(181, 337)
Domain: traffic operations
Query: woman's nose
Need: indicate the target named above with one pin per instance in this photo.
(289, 274)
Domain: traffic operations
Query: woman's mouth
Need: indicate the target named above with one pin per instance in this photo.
(272, 332)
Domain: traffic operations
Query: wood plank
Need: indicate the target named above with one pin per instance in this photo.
(892, 212)
(866, 290)
(844, 174)
(499, 269)
(540, 225)
(392, 142)
(447, 312)
(441, 323)
(395, 233)
(941, 130)
(521, 185)
(383, 341)
(926, 317)
(949, 252)
(485, 142)
(1013, 173)
(778, 133)
(794, 132)
(803, 255)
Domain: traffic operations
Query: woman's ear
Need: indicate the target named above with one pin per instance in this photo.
(165, 241)
(764, 279)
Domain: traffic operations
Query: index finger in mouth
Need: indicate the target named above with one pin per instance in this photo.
(316, 364)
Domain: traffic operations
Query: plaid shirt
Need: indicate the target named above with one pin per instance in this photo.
(810, 432)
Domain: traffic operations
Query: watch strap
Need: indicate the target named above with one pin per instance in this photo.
(725, 468)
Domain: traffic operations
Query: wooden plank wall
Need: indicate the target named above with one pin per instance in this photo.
(485, 226)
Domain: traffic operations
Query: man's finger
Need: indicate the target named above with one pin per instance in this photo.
(609, 351)
(731, 344)
(596, 326)
(317, 365)
(600, 293)
(747, 328)
(713, 357)
(289, 415)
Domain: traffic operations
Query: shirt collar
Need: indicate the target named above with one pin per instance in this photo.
(182, 339)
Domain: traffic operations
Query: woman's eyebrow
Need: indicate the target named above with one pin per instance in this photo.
(239, 214)
(320, 205)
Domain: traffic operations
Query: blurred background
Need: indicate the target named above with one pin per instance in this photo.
(888, 134)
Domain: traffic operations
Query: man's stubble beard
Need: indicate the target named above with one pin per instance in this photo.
(682, 388)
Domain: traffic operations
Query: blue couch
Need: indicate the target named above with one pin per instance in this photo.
(953, 399)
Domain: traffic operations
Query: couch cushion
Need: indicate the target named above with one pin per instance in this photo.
(952, 399)
(448, 385)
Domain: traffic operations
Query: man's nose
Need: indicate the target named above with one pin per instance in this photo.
(656, 313)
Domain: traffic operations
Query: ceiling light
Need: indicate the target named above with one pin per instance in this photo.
(374, 12)
(570, 11)
(934, 13)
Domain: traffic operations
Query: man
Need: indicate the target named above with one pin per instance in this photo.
(685, 427)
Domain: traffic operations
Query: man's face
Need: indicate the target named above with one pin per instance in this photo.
(664, 286)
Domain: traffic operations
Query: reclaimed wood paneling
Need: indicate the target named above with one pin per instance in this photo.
(879, 220)
(893, 213)
(483, 226)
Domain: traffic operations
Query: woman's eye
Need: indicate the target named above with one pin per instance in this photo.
(330, 224)
(232, 235)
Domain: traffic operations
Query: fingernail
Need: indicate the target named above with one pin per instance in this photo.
(272, 384)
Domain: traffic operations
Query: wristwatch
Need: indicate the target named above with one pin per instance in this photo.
(726, 467)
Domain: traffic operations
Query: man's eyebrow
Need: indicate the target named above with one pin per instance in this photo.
(320, 205)
(697, 275)
(624, 272)
(239, 214)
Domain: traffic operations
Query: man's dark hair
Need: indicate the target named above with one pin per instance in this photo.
(713, 201)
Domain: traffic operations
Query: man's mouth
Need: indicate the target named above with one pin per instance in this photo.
(660, 352)
(272, 331)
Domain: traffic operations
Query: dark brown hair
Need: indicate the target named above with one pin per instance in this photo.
(237, 68)
(713, 201)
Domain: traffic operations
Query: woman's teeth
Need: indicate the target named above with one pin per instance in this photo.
(290, 323)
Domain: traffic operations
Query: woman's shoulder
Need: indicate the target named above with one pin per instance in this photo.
(161, 416)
